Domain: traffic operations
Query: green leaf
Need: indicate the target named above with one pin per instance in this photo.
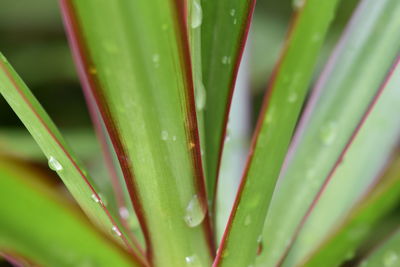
(32, 215)
(347, 235)
(223, 37)
(133, 57)
(352, 179)
(56, 150)
(343, 94)
(387, 254)
(274, 131)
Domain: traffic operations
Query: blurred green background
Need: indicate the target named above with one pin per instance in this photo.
(32, 38)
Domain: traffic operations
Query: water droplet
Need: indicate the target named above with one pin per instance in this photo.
(116, 231)
(292, 97)
(270, 115)
(156, 60)
(232, 12)
(298, 4)
(124, 213)
(164, 27)
(196, 14)
(192, 261)
(227, 138)
(192, 145)
(328, 133)
(54, 164)
(200, 96)
(226, 60)
(247, 220)
(235, 21)
(174, 138)
(195, 212)
(164, 135)
(390, 258)
(316, 38)
(95, 198)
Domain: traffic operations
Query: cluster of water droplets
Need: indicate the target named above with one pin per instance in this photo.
(232, 12)
(165, 136)
(226, 60)
(195, 212)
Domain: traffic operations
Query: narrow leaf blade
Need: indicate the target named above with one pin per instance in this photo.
(31, 221)
(54, 147)
(141, 79)
(278, 118)
(339, 102)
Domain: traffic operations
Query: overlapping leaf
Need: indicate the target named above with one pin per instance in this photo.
(223, 37)
(54, 147)
(347, 87)
(133, 57)
(353, 178)
(361, 219)
(283, 103)
(32, 215)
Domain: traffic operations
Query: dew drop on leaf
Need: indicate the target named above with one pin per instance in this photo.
(247, 220)
(292, 97)
(124, 213)
(195, 212)
(95, 198)
(297, 4)
(54, 164)
(226, 60)
(232, 12)
(164, 135)
(328, 133)
(115, 231)
(196, 14)
(156, 60)
(200, 97)
(192, 261)
(390, 259)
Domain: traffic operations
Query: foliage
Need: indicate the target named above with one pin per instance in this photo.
(321, 181)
